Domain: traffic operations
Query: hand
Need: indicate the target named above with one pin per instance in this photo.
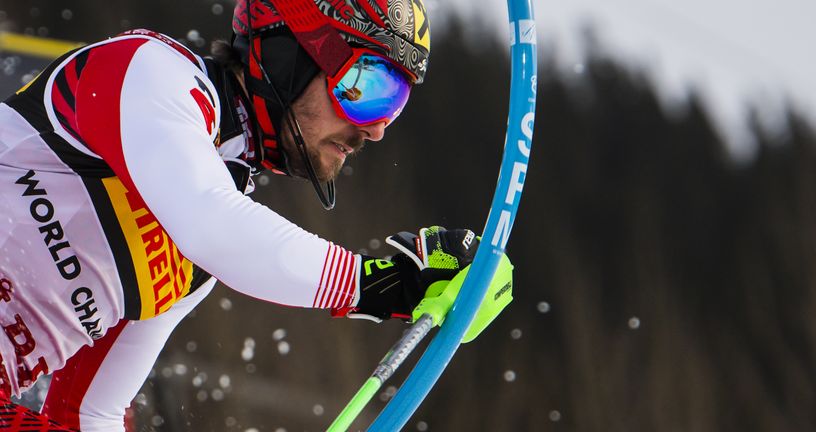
(392, 289)
(437, 253)
(437, 248)
(443, 258)
(441, 295)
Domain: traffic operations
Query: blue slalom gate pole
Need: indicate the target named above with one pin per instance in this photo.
(503, 211)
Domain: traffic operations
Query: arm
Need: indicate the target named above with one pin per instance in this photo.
(159, 142)
(158, 139)
(99, 382)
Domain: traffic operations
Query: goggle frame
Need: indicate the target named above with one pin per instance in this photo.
(335, 80)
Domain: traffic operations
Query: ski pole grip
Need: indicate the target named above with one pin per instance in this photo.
(400, 351)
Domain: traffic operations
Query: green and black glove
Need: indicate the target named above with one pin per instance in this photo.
(393, 288)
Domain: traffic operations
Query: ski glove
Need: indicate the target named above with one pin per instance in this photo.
(393, 288)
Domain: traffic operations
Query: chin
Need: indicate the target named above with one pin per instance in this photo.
(324, 177)
(329, 171)
(321, 177)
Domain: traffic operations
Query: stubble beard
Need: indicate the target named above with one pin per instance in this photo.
(319, 143)
(316, 147)
(324, 170)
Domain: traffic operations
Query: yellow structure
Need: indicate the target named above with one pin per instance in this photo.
(35, 46)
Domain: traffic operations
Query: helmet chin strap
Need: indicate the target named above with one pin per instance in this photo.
(261, 88)
(327, 197)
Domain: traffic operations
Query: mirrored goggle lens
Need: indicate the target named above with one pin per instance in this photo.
(372, 90)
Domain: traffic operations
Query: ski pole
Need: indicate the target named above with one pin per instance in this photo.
(387, 366)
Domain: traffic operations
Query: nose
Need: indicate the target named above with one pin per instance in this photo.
(374, 132)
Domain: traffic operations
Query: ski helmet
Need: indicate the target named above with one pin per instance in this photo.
(295, 39)
(398, 29)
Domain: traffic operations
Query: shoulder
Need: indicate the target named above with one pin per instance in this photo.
(146, 73)
(167, 42)
(142, 54)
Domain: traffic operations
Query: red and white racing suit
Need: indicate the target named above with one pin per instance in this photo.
(115, 207)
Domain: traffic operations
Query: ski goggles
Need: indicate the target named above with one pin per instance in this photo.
(369, 89)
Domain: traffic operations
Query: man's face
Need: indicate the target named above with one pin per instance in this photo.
(329, 139)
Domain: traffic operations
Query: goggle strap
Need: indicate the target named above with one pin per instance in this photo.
(314, 32)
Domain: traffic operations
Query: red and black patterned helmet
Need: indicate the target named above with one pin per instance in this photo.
(398, 29)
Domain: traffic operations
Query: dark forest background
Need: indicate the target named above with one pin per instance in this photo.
(660, 285)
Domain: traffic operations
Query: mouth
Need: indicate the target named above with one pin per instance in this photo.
(342, 148)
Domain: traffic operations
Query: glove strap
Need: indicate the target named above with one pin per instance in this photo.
(383, 292)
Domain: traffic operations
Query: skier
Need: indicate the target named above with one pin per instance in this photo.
(124, 169)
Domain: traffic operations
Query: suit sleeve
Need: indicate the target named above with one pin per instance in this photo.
(160, 121)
